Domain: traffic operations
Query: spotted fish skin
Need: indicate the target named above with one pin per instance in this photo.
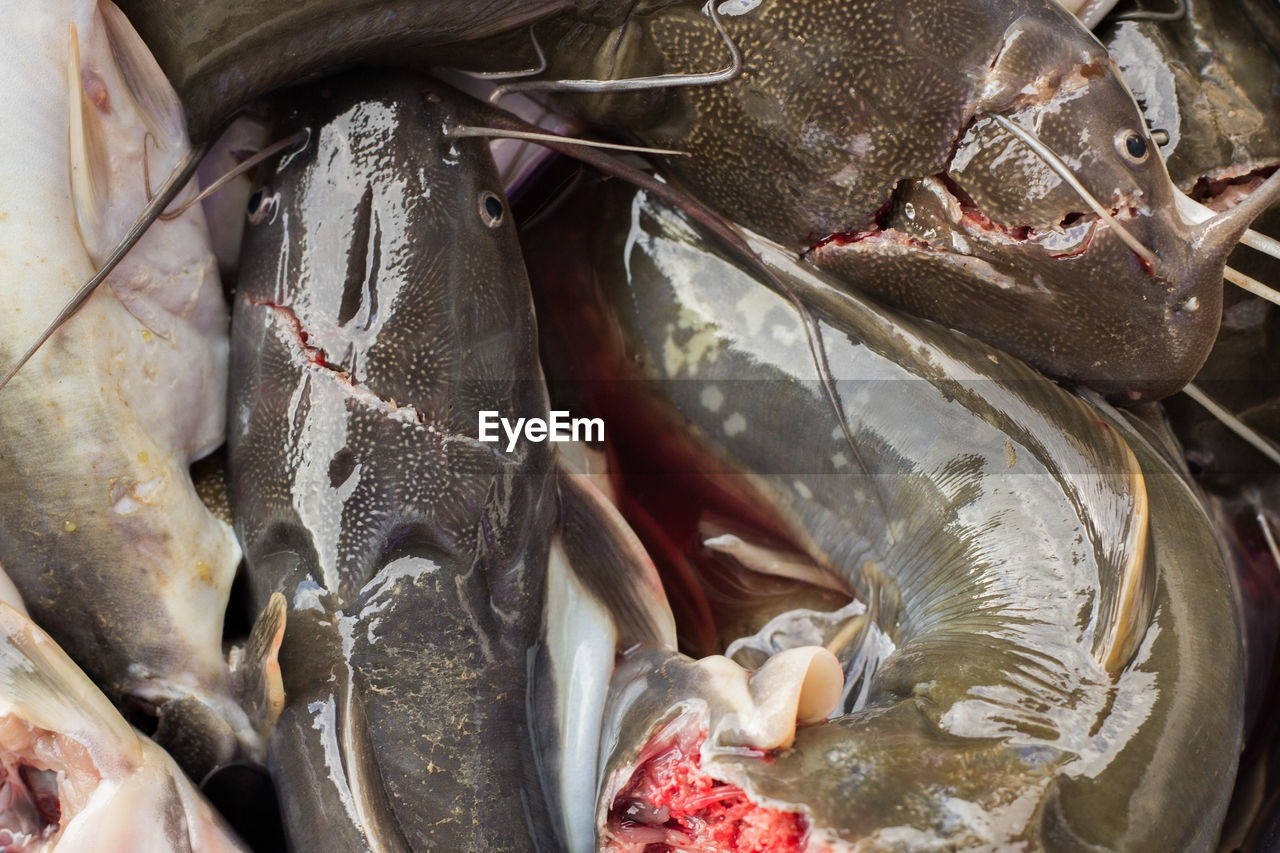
(999, 521)
(382, 305)
(888, 168)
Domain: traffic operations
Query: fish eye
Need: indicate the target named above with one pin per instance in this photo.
(1132, 146)
(491, 209)
(262, 206)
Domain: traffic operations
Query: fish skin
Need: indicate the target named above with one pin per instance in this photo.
(222, 56)
(1090, 12)
(118, 791)
(100, 527)
(359, 487)
(856, 106)
(673, 322)
(1208, 81)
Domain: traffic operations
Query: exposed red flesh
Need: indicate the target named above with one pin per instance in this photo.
(30, 808)
(671, 803)
(971, 216)
(313, 353)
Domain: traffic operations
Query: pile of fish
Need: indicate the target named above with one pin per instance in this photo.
(918, 481)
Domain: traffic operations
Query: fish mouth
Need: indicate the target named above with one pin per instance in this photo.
(1226, 188)
(667, 797)
(935, 214)
(32, 811)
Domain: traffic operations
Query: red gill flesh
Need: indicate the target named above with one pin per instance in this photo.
(671, 804)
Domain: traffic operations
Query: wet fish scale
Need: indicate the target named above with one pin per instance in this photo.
(1045, 676)
(361, 491)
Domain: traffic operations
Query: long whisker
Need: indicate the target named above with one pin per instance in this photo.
(464, 132)
(719, 227)
(168, 191)
(1231, 422)
(511, 75)
(298, 139)
(1261, 242)
(1053, 161)
(1143, 15)
(729, 72)
(1252, 285)
(1267, 535)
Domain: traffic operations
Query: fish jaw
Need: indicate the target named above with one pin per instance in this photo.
(1077, 304)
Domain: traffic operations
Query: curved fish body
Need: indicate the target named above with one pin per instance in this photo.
(889, 165)
(100, 527)
(222, 56)
(1053, 661)
(382, 306)
(73, 775)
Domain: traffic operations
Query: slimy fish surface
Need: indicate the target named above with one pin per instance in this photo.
(382, 304)
(221, 56)
(100, 527)
(1044, 651)
(980, 165)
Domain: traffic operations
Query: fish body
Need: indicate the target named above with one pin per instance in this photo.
(868, 137)
(1044, 582)
(222, 56)
(101, 528)
(382, 305)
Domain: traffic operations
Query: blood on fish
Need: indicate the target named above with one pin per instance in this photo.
(314, 354)
(672, 803)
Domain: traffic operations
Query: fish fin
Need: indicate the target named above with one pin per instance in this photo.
(89, 162)
(260, 685)
(43, 687)
(178, 179)
(1126, 596)
(607, 558)
(156, 101)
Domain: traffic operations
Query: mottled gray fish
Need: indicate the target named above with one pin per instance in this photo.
(979, 164)
(1046, 652)
(382, 305)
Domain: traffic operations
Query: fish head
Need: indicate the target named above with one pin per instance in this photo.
(382, 306)
(1054, 231)
(988, 170)
(1205, 81)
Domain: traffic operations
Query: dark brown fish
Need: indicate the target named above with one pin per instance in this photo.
(221, 56)
(892, 144)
